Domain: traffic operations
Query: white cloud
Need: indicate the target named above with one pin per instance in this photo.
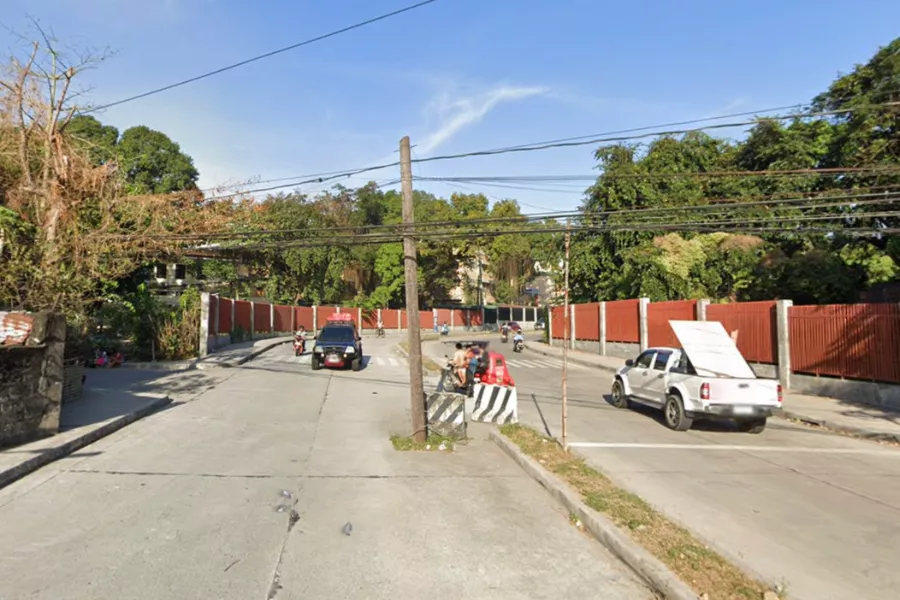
(455, 114)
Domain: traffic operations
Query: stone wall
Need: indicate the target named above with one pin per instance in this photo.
(31, 381)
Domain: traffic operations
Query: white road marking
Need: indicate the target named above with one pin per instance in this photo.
(783, 449)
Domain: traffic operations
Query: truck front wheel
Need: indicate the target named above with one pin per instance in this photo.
(674, 413)
(752, 426)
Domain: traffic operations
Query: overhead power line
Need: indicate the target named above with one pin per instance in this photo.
(553, 145)
(863, 196)
(259, 57)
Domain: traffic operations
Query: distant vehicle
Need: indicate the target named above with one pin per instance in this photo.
(338, 344)
(539, 324)
(707, 378)
(513, 326)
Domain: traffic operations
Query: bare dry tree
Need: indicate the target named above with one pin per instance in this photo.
(66, 225)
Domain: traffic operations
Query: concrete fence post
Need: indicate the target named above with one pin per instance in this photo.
(702, 305)
(399, 319)
(549, 324)
(252, 318)
(233, 316)
(218, 316)
(315, 319)
(293, 318)
(204, 324)
(643, 322)
(783, 336)
(572, 336)
(451, 318)
(272, 319)
(359, 321)
(602, 326)
(379, 316)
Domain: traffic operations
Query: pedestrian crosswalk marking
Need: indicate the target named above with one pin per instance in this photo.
(375, 361)
(521, 363)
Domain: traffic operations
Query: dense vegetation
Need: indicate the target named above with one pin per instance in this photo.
(85, 210)
(791, 263)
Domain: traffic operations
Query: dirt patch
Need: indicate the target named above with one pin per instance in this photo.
(700, 567)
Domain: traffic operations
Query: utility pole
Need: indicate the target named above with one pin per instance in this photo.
(416, 388)
(566, 333)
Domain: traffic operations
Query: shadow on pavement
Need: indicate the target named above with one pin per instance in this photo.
(116, 392)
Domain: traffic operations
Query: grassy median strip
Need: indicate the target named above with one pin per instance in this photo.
(432, 444)
(427, 363)
(708, 573)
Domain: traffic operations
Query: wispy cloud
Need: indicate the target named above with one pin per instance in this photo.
(456, 113)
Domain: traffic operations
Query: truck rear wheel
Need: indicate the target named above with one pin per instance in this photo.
(674, 413)
(315, 364)
(752, 426)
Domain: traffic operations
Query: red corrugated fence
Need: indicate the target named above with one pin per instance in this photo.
(754, 322)
(858, 341)
(623, 321)
(659, 333)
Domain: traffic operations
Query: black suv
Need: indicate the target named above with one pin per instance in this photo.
(337, 345)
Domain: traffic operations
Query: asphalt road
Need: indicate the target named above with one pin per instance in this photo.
(816, 511)
(242, 490)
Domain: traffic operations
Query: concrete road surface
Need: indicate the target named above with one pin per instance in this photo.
(817, 511)
(242, 491)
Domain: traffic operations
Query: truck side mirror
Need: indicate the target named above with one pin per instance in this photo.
(629, 363)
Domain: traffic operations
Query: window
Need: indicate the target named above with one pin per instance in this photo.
(161, 271)
(180, 271)
(498, 362)
(661, 359)
(337, 334)
(645, 359)
(683, 365)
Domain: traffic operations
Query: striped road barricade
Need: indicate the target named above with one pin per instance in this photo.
(495, 404)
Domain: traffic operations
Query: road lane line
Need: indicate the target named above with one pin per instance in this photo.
(783, 449)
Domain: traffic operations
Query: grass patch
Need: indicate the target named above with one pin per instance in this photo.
(701, 568)
(432, 444)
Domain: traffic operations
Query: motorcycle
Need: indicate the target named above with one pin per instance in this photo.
(518, 345)
(299, 346)
(504, 337)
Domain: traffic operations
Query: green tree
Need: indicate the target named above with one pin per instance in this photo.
(153, 163)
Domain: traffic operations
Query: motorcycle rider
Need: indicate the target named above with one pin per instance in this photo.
(300, 339)
(460, 362)
(518, 339)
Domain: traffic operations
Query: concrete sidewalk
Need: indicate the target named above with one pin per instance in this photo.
(861, 420)
(112, 399)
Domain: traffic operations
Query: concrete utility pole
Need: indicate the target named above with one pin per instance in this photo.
(416, 388)
(566, 334)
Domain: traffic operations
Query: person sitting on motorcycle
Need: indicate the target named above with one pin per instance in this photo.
(518, 338)
(300, 338)
(474, 357)
(460, 362)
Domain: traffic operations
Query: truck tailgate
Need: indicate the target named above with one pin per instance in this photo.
(743, 391)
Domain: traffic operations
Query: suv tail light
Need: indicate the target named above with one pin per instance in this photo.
(704, 391)
(780, 394)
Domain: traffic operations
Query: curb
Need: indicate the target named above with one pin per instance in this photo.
(866, 434)
(654, 573)
(45, 458)
(228, 365)
(163, 366)
(575, 359)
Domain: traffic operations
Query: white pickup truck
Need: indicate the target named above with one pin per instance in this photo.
(707, 378)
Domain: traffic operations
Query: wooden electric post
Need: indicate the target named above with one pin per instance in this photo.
(416, 388)
(566, 334)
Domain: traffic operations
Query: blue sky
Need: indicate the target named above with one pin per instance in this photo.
(457, 75)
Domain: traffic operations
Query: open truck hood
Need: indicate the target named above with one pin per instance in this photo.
(711, 350)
